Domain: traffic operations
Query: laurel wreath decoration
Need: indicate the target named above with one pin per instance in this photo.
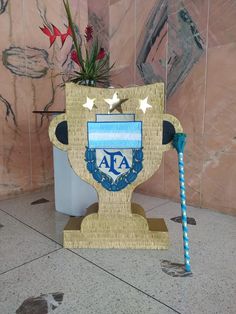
(123, 180)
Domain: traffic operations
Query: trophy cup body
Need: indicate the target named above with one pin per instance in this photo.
(115, 146)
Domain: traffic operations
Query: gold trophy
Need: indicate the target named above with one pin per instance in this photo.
(115, 142)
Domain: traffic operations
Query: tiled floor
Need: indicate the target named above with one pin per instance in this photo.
(33, 263)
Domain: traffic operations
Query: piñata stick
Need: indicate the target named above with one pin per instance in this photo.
(179, 142)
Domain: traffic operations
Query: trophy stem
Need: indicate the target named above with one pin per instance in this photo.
(113, 203)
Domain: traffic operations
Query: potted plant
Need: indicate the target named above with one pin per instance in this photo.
(91, 61)
(90, 57)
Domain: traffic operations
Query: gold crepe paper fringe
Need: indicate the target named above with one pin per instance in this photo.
(113, 223)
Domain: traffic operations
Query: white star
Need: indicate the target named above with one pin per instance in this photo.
(144, 104)
(115, 103)
(89, 103)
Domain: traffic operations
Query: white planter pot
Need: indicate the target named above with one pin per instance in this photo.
(72, 194)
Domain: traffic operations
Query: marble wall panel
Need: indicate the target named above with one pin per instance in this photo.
(31, 81)
(122, 76)
(221, 94)
(122, 40)
(186, 44)
(218, 183)
(151, 41)
(218, 178)
(188, 101)
(198, 9)
(222, 26)
(41, 148)
(15, 144)
(80, 13)
(47, 86)
(193, 159)
(186, 85)
(98, 15)
(15, 139)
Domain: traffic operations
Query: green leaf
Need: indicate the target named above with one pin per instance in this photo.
(74, 38)
(90, 67)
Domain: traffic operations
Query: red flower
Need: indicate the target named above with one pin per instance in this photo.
(64, 36)
(74, 57)
(52, 35)
(88, 33)
(56, 31)
(101, 54)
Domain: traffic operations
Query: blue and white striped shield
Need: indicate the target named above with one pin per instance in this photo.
(114, 152)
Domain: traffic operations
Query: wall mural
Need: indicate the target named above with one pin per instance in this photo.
(185, 46)
(184, 52)
(3, 5)
(154, 26)
(99, 27)
(9, 113)
(29, 62)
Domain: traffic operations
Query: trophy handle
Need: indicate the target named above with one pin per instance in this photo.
(177, 126)
(54, 129)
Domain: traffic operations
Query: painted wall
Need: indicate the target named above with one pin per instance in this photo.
(188, 44)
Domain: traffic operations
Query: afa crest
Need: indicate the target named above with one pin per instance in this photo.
(114, 153)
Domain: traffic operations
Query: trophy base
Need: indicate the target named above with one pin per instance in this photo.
(116, 231)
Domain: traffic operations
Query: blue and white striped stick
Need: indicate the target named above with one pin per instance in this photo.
(179, 142)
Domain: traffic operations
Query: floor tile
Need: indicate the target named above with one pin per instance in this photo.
(20, 244)
(42, 217)
(86, 288)
(148, 202)
(212, 287)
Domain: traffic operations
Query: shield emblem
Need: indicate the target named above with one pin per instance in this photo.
(114, 153)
